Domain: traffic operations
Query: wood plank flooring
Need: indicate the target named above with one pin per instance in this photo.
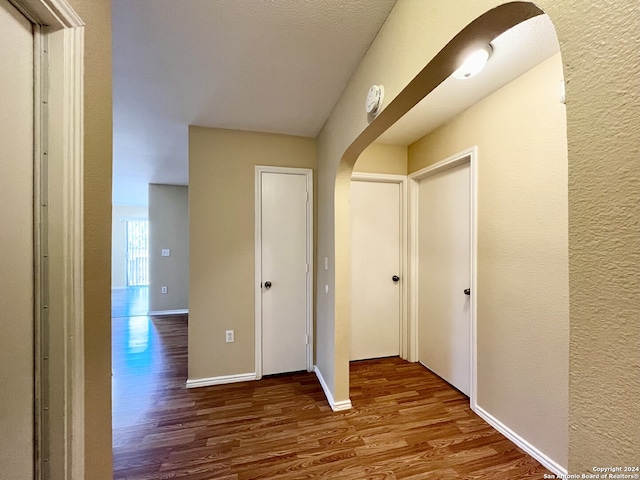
(406, 423)
(129, 301)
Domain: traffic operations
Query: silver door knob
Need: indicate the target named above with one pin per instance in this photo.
(267, 285)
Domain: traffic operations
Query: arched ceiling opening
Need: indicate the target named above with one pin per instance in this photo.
(482, 31)
(515, 52)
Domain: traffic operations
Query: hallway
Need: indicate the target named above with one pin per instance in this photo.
(405, 421)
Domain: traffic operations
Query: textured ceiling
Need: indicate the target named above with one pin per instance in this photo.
(263, 65)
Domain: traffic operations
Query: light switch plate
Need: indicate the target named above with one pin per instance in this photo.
(166, 252)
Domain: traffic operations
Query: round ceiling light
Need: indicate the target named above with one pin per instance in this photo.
(474, 63)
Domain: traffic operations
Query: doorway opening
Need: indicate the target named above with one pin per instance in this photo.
(443, 281)
(378, 204)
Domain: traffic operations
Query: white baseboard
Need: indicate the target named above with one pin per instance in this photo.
(546, 462)
(335, 406)
(159, 313)
(222, 380)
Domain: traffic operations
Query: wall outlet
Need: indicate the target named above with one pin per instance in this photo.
(229, 336)
(166, 252)
(165, 289)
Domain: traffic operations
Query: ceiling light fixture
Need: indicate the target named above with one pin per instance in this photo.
(474, 63)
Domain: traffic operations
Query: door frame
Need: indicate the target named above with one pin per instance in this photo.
(401, 180)
(308, 173)
(58, 229)
(469, 155)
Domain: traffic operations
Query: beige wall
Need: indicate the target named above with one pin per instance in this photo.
(523, 265)
(168, 228)
(119, 215)
(600, 46)
(16, 245)
(381, 158)
(97, 235)
(603, 128)
(222, 243)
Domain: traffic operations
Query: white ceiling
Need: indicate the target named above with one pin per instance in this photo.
(262, 65)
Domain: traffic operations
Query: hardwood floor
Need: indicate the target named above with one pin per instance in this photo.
(129, 301)
(406, 423)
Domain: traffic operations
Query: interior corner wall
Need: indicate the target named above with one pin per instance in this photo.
(522, 259)
(222, 241)
(98, 143)
(382, 158)
(168, 229)
(119, 215)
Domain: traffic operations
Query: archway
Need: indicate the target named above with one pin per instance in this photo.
(481, 31)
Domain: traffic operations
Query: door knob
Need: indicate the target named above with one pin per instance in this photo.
(467, 291)
(395, 278)
(267, 285)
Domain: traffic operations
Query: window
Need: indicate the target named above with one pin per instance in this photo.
(137, 253)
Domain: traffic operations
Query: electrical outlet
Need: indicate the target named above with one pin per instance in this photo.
(229, 336)
(166, 252)
(165, 289)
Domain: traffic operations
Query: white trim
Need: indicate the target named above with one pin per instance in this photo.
(546, 462)
(58, 15)
(470, 155)
(335, 406)
(159, 313)
(447, 163)
(402, 181)
(473, 198)
(74, 237)
(413, 270)
(55, 13)
(308, 173)
(221, 380)
(378, 177)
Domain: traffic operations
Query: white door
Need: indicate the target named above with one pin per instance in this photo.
(285, 273)
(16, 244)
(375, 260)
(444, 321)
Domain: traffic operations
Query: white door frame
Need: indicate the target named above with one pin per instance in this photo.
(58, 154)
(401, 181)
(470, 155)
(308, 173)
